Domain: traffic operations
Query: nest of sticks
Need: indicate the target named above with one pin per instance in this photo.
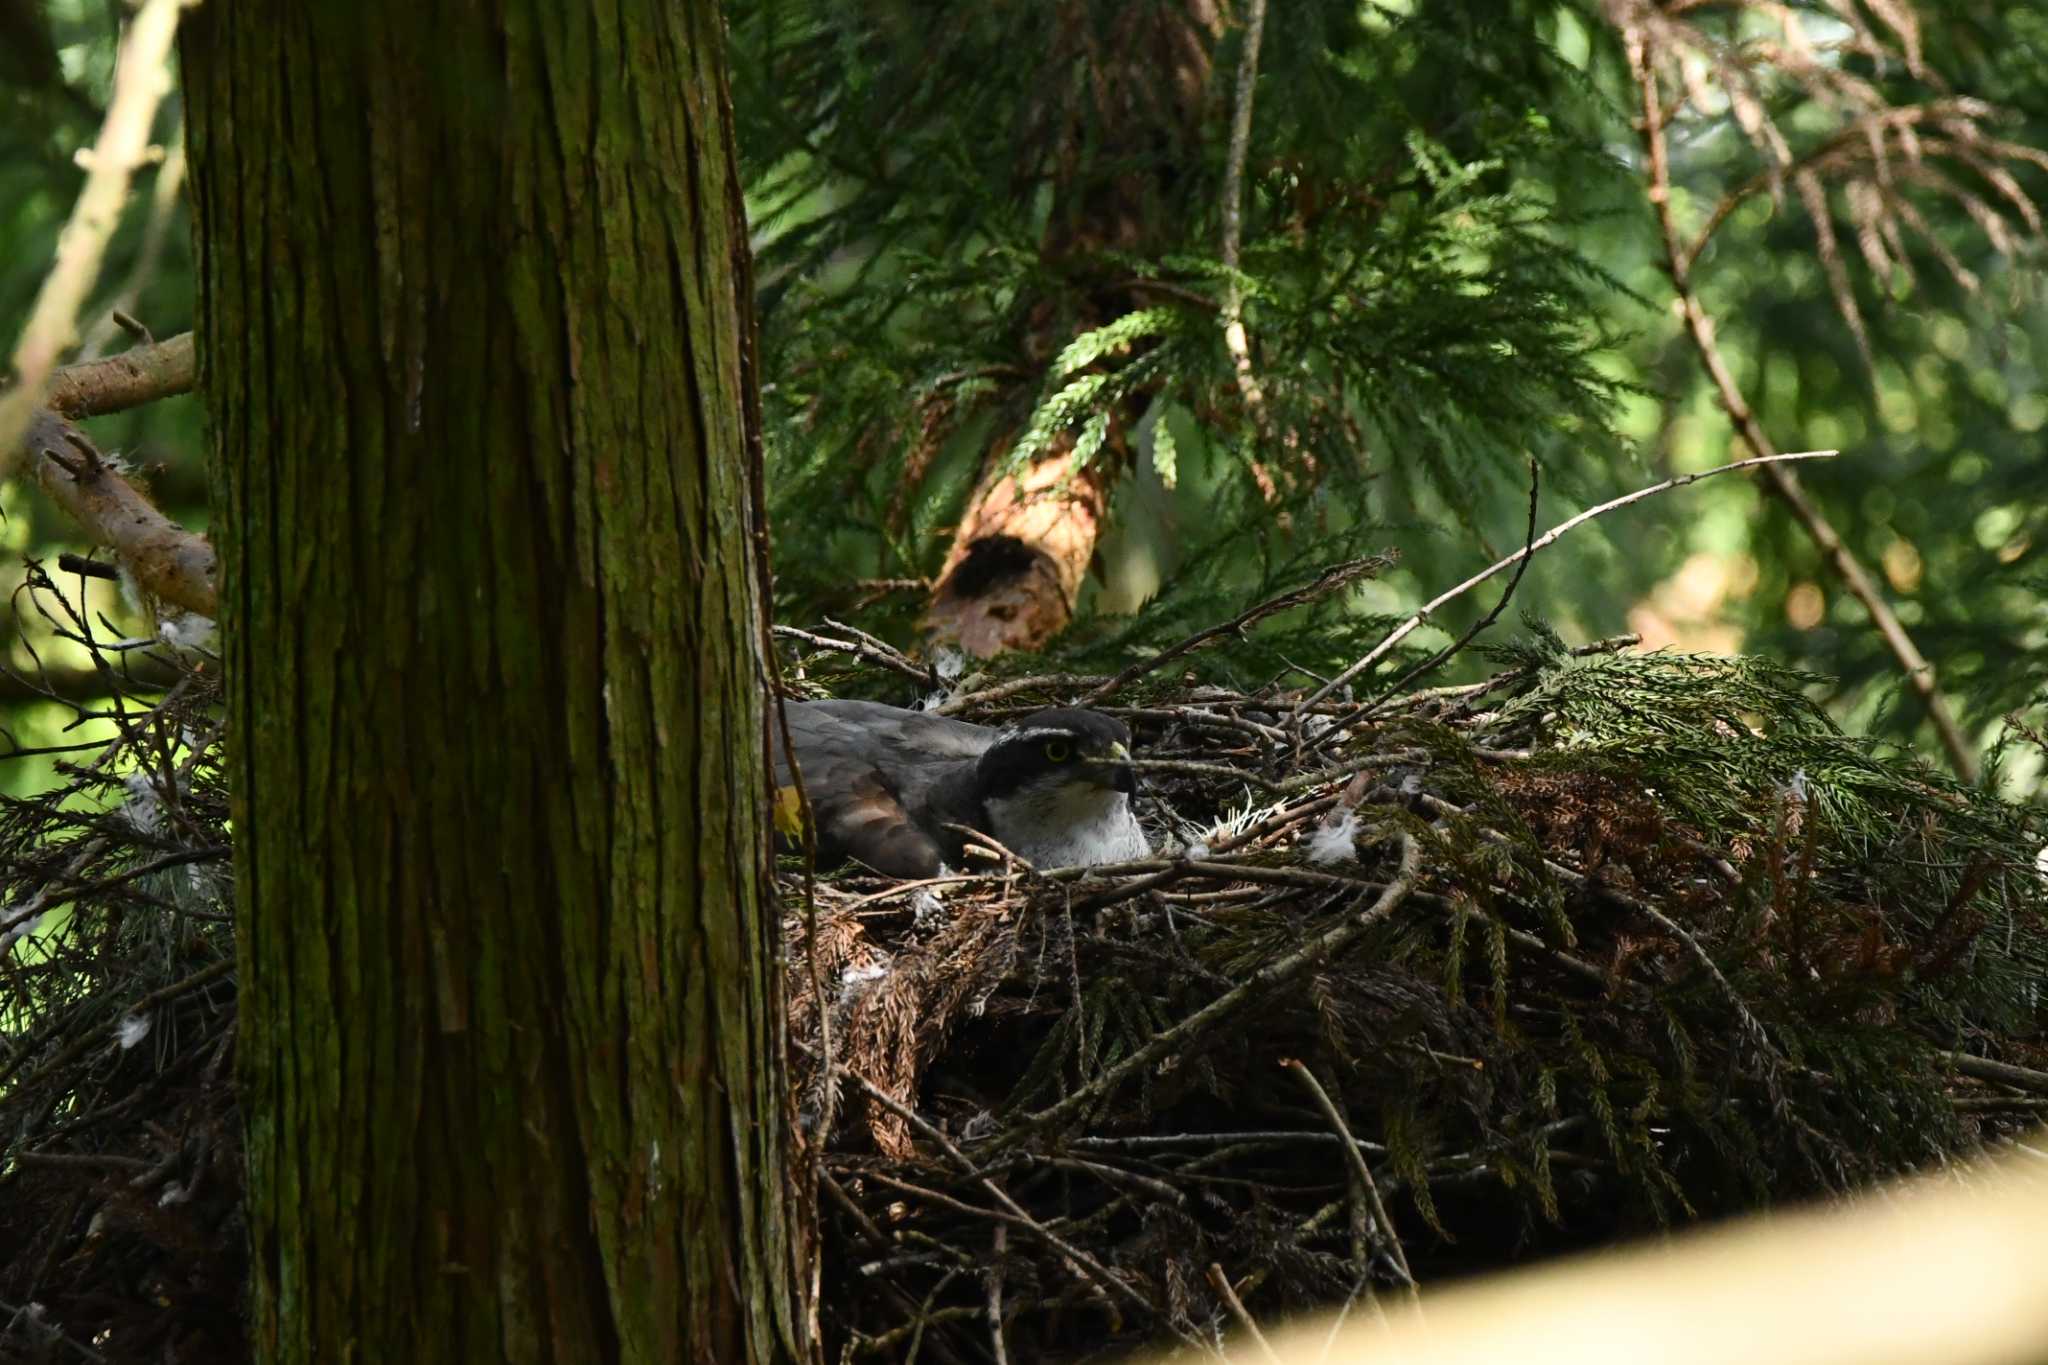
(1608, 942)
(1414, 989)
(121, 1235)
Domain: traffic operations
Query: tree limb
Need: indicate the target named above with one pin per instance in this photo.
(1781, 481)
(140, 374)
(141, 79)
(166, 560)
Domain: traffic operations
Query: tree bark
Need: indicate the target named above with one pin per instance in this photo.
(1019, 555)
(475, 340)
(1016, 562)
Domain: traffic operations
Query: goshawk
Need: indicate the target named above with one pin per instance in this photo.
(884, 783)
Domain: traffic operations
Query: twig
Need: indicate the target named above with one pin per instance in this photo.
(1093, 1268)
(85, 1161)
(1145, 1142)
(78, 1046)
(141, 79)
(1408, 627)
(1195, 768)
(1359, 1170)
(995, 1294)
(1784, 483)
(1220, 1282)
(1750, 1023)
(140, 374)
(87, 568)
(1161, 872)
(1234, 339)
(868, 648)
(1003, 691)
(55, 889)
(1449, 651)
(1273, 973)
(1333, 579)
(925, 1317)
(1277, 876)
(2005, 1073)
(1578, 967)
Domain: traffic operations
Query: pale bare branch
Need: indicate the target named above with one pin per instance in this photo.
(141, 79)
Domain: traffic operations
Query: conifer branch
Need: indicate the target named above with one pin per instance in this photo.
(1415, 622)
(1782, 482)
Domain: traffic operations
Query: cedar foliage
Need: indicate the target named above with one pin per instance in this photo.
(1610, 942)
(1422, 316)
(1450, 266)
(1676, 945)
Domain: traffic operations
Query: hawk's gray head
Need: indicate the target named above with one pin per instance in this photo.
(884, 783)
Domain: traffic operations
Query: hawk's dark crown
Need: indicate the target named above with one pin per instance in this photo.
(1063, 743)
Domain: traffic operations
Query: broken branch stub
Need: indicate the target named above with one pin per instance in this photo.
(166, 560)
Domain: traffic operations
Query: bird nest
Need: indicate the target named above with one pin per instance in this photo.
(1605, 942)
(120, 1146)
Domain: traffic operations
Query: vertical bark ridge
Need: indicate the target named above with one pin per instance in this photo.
(471, 340)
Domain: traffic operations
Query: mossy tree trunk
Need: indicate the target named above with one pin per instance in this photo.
(474, 337)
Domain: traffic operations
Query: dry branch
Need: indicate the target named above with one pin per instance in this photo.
(1655, 41)
(1415, 622)
(1360, 1170)
(167, 561)
(141, 374)
(141, 79)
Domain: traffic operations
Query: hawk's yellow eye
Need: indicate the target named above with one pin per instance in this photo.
(1058, 751)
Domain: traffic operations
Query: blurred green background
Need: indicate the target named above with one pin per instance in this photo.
(1445, 228)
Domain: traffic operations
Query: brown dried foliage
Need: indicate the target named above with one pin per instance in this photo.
(1879, 160)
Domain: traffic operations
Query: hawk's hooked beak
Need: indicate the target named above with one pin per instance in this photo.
(1122, 777)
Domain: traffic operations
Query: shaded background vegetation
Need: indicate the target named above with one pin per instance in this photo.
(1449, 267)
(994, 241)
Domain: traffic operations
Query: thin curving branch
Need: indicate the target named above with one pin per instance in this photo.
(1782, 482)
(1361, 1172)
(1219, 1281)
(1334, 579)
(1415, 622)
(1484, 623)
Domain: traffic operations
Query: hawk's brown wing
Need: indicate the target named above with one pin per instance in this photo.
(869, 771)
(865, 820)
